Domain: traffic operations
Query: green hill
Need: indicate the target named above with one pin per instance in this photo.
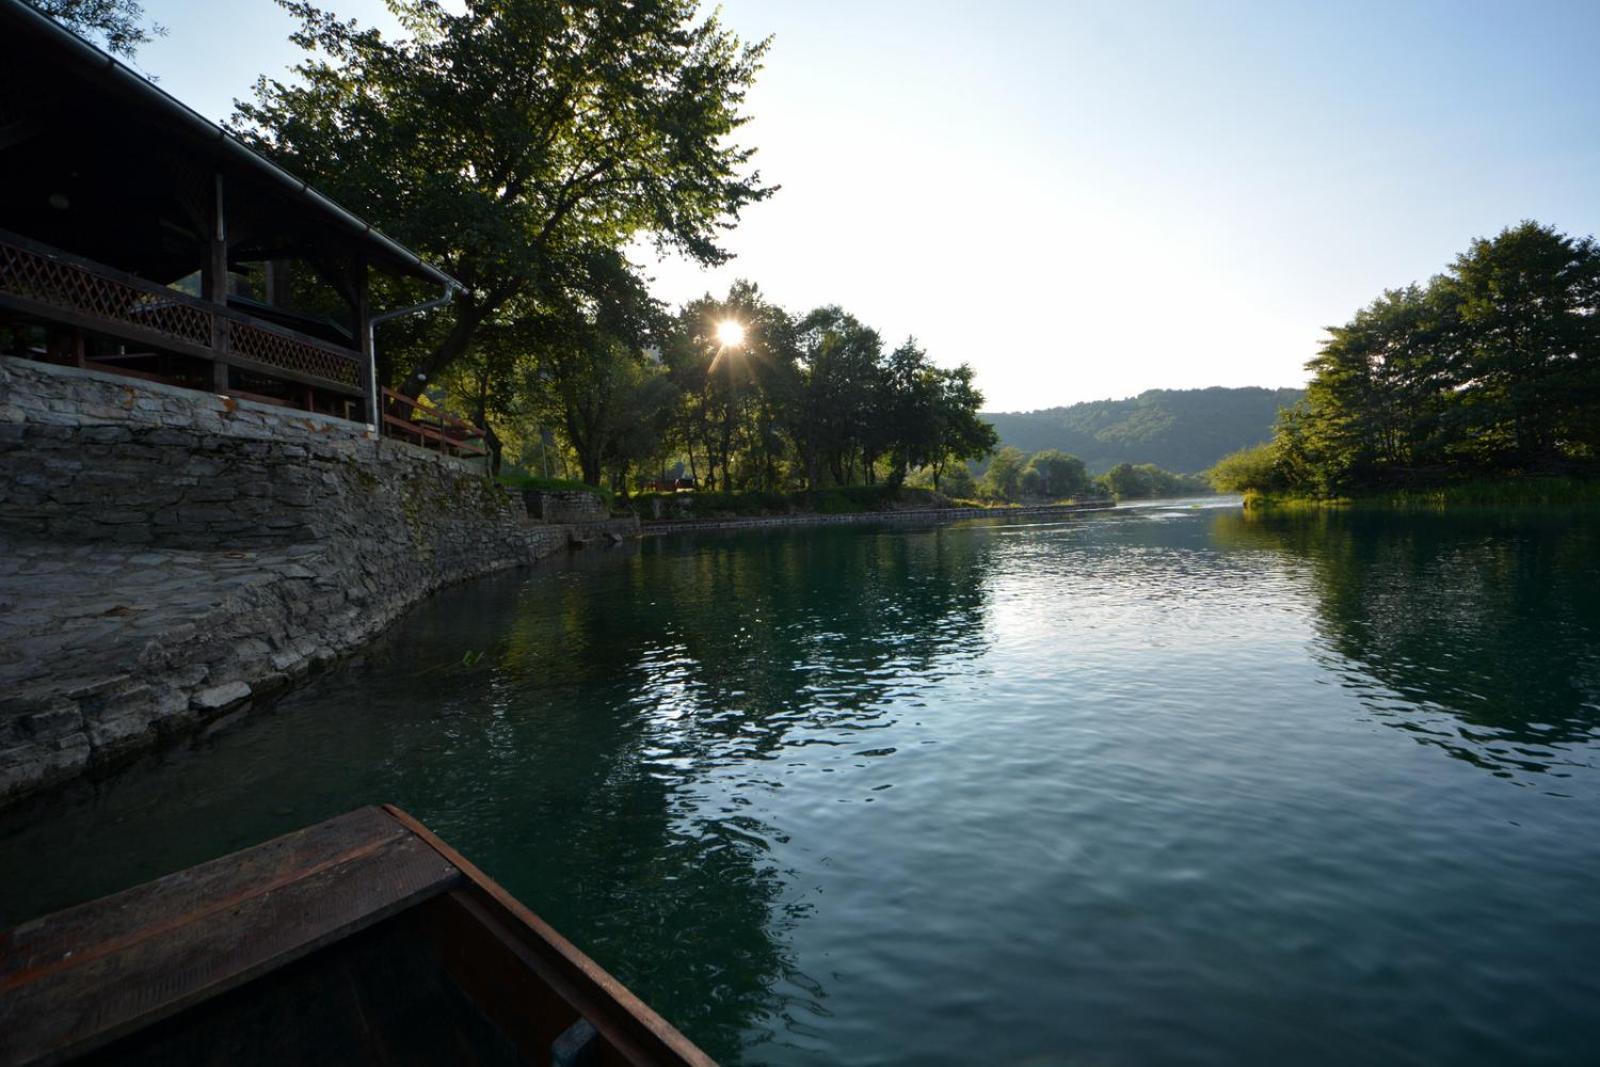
(1184, 430)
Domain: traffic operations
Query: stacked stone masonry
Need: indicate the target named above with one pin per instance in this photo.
(564, 506)
(169, 557)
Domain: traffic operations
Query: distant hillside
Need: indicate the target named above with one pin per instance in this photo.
(1184, 430)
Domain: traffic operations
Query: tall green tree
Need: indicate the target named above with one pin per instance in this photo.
(513, 141)
(589, 359)
(736, 394)
(840, 374)
(961, 432)
(908, 423)
(1530, 301)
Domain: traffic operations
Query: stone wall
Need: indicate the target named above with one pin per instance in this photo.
(564, 506)
(168, 557)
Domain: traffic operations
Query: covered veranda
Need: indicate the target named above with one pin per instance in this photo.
(136, 237)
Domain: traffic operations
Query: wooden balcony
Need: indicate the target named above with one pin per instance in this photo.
(44, 285)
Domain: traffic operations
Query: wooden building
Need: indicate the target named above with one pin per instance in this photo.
(137, 237)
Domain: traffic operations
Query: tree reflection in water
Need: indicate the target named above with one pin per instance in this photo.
(672, 687)
(1475, 632)
(726, 659)
(590, 734)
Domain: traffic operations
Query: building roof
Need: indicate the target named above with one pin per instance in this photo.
(100, 124)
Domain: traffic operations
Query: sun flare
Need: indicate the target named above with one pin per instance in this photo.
(730, 333)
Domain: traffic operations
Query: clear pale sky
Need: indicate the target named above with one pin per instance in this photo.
(1086, 200)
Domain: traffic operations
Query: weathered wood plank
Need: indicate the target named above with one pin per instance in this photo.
(631, 1030)
(73, 981)
(142, 907)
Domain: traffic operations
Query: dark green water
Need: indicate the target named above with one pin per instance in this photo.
(1146, 787)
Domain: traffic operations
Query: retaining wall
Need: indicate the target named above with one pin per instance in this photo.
(168, 557)
(564, 506)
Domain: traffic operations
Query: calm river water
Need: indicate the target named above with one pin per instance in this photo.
(1160, 785)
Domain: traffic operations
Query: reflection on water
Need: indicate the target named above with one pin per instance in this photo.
(1474, 632)
(595, 756)
(1138, 787)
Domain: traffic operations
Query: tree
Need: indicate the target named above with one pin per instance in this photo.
(737, 397)
(1055, 475)
(119, 23)
(957, 482)
(513, 142)
(590, 361)
(840, 358)
(1493, 365)
(1127, 482)
(1003, 479)
(961, 433)
(1530, 303)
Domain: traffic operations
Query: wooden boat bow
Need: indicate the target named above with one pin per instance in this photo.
(153, 966)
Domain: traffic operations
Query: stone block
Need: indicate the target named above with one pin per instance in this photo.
(61, 718)
(121, 517)
(218, 697)
(30, 767)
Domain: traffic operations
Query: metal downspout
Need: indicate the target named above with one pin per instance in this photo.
(375, 407)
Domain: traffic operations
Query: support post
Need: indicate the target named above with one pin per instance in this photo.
(277, 283)
(214, 280)
(361, 308)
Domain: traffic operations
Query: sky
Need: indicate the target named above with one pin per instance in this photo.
(1087, 200)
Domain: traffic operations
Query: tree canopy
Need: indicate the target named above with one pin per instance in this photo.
(522, 146)
(1491, 367)
(530, 149)
(806, 401)
(119, 24)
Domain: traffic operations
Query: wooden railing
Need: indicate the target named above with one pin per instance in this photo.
(430, 427)
(49, 284)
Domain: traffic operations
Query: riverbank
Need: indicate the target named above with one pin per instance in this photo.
(1535, 491)
(926, 515)
(169, 559)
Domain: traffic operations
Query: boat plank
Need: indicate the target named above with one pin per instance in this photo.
(149, 953)
(147, 907)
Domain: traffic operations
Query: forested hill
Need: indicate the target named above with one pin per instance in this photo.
(1183, 430)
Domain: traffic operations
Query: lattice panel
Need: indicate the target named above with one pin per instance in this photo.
(35, 276)
(290, 353)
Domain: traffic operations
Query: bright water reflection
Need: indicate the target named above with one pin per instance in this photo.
(1142, 787)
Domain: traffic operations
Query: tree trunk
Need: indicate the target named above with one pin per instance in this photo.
(491, 440)
(468, 317)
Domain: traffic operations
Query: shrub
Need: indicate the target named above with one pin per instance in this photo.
(1249, 469)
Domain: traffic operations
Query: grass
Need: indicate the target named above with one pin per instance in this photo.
(524, 480)
(1255, 500)
(1517, 491)
(1539, 491)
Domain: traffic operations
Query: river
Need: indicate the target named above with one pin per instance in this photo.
(1168, 784)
